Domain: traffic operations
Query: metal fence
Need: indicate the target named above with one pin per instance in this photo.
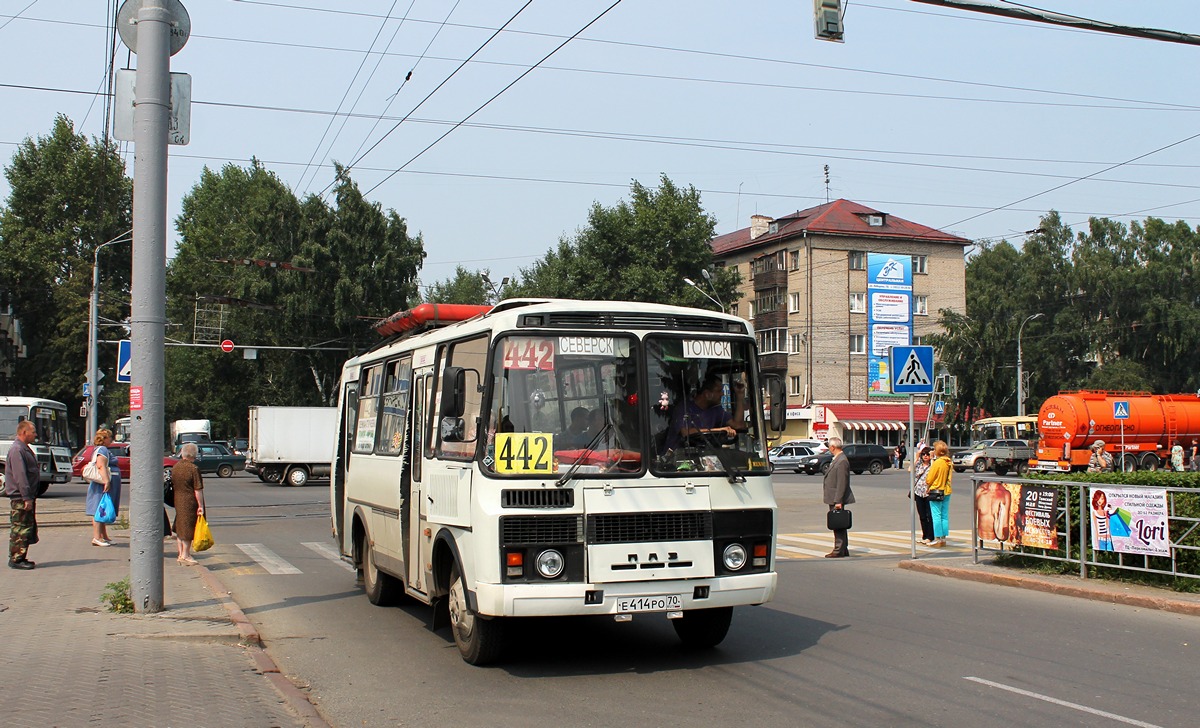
(1076, 542)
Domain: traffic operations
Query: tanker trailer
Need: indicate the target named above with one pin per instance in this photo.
(1069, 422)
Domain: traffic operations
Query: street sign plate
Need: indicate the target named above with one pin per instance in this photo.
(179, 115)
(124, 361)
(912, 369)
(939, 407)
(227, 346)
(87, 389)
(1121, 409)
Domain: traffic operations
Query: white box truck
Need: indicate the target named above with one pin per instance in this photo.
(291, 444)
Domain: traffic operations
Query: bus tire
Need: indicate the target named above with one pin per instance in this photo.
(382, 589)
(42, 488)
(703, 628)
(479, 639)
(297, 477)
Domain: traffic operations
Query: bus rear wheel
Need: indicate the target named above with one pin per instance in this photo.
(703, 628)
(382, 589)
(479, 639)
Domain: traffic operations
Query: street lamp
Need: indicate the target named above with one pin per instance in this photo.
(92, 373)
(1020, 373)
(692, 283)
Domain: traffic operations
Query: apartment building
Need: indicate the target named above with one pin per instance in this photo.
(828, 289)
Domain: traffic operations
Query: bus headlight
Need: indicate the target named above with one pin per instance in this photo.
(550, 564)
(734, 556)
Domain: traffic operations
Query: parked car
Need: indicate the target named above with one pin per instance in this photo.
(817, 446)
(215, 457)
(862, 456)
(120, 452)
(972, 459)
(789, 457)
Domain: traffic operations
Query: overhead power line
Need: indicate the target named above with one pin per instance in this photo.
(1028, 12)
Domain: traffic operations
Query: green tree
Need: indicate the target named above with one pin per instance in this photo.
(639, 250)
(466, 286)
(68, 195)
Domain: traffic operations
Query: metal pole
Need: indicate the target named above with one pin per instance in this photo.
(148, 319)
(912, 481)
(93, 396)
(1020, 371)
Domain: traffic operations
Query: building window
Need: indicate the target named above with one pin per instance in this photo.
(793, 303)
(921, 305)
(918, 341)
(858, 260)
(795, 254)
(795, 386)
(858, 303)
(797, 341)
(772, 341)
(768, 263)
(768, 300)
(858, 343)
(920, 264)
(733, 309)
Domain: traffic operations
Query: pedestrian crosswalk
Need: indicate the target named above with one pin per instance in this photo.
(790, 546)
(866, 543)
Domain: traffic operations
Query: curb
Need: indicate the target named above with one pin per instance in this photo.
(1164, 604)
(296, 698)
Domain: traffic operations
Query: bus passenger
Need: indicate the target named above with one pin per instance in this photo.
(576, 434)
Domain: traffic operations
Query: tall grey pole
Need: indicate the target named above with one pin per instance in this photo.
(1020, 370)
(93, 359)
(150, 125)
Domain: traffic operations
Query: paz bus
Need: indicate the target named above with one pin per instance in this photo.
(535, 459)
(53, 445)
(1005, 428)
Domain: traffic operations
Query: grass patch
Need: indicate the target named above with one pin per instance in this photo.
(117, 595)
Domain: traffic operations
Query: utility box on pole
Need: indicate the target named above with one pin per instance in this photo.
(827, 15)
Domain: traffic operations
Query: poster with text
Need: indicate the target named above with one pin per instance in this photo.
(889, 314)
(1017, 515)
(1129, 520)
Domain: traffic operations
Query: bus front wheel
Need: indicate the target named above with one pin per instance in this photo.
(478, 638)
(702, 628)
(382, 589)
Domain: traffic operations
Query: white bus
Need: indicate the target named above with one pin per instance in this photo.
(121, 429)
(53, 444)
(460, 482)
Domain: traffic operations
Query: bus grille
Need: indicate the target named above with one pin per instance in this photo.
(646, 527)
(632, 320)
(537, 498)
(540, 529)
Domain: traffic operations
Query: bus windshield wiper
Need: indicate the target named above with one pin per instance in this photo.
(591, 448)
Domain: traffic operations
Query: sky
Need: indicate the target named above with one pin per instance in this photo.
(969, 123)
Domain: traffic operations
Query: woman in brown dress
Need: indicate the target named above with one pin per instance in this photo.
(189, 501)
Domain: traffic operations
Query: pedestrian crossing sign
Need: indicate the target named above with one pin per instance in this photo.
(1121, 409)
(912, 369)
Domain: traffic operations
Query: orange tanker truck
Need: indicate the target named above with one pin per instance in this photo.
(1069, 422)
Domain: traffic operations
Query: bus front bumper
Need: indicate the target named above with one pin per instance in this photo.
(550, 599)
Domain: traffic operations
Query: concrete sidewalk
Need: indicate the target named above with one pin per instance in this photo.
(70, 662)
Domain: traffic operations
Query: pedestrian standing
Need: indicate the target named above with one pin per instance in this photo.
(837, 495)
(938, 480)
(921, 466)
(110, 482)
(22, 476)
(189, 501)
(901, 453)
(1194, 455)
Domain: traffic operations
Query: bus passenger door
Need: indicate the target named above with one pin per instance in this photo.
(416, 547)
(345, 442)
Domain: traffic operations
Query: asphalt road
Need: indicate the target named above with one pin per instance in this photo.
(846, 642)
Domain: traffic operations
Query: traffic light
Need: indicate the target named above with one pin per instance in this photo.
(828, 17)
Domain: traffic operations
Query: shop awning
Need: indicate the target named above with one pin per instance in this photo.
(874, 416)
(867, 425)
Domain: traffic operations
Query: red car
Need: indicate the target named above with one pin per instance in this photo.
(120, 451)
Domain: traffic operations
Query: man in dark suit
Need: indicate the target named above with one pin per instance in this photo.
(836, 494)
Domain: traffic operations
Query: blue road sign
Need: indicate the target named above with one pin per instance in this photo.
(125, 361)
(87, 389)
(912, 369)
(1121, 409)
(939, 407)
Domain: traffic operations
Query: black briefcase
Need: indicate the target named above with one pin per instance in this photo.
(839, 520)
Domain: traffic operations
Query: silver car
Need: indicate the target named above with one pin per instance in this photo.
(790, 457)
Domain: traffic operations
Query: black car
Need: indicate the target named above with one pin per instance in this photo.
(215, 457)
(862, 456)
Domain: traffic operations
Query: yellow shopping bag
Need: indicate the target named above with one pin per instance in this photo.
(202, 540)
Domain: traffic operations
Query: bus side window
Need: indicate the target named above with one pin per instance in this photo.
(459, 442)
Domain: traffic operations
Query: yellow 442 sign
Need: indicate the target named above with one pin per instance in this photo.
(524, 452)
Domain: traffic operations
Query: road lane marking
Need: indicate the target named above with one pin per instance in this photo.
(268, 559)
(329, 552)
(866, 543)
(1065, 704)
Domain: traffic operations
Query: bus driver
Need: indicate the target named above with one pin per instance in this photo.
(704, 413)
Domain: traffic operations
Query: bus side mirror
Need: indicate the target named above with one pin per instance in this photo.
(454, 386)
(453, 429)
(776, 403)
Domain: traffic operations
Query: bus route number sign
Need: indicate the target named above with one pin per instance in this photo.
(524, 352)
(524, 453)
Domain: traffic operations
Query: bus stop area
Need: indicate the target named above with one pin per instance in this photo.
(199, 662)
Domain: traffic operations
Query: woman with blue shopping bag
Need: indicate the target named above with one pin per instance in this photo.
(104, 479)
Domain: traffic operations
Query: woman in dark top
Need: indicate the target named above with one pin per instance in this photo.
(189, 501)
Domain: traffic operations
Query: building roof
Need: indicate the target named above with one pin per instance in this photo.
(840, 217)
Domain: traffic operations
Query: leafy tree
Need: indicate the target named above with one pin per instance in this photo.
(68, 195)
(639, 250)
(469, 287)
(346, 265)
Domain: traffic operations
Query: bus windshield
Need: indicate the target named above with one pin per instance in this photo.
(577, 405)
(50, 423)
(1005, 428)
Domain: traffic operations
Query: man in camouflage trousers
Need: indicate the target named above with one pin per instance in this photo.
(21, 478)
